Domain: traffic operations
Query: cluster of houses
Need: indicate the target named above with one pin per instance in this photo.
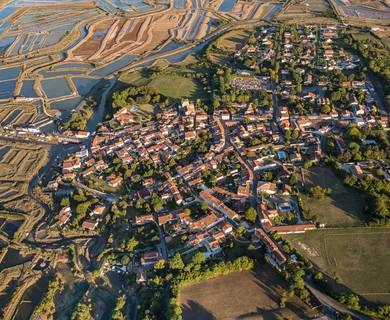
(90, 223)
(208, 230)
(242, 142)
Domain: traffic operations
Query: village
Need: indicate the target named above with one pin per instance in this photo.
(201, 178)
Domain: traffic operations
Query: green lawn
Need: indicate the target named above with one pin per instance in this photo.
(343, 208)
(360, 257)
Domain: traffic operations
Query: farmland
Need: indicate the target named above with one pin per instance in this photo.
(343, 207)
(240, 295)
(348, 253)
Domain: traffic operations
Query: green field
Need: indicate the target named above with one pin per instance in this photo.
(173, 82)
(360, 258)
(343, 208)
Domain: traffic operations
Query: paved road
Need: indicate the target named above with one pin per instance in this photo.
(332, 303)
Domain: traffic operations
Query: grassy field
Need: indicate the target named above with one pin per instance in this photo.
(230, 42)
(344, 207)
(171, 82)
(305, 11)
(233, 40)
(242, 295)
(358, 256)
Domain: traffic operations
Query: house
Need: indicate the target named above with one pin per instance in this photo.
(165, 218)
(71, 165)
(98, 211)
(142, 219)
(82, 134)
(150, 257)
(63, 218)
(267, 187)
(189, 135)
(90, 224)
(113, 180)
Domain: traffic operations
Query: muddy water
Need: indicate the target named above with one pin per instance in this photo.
(100, 110)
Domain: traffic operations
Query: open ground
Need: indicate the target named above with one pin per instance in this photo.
(359, 257)
(174, 81)
(243, 295)
(343, 207)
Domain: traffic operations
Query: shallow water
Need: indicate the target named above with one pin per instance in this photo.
(28, 89)
(84, 85)
(57, 87)
(9, 73)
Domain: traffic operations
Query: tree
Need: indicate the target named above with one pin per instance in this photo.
(251, 214)
(293, 179)
(176, 262)
(325, 109)
(198, 258)
(160, 264)
(120, 303)
(82, 312)
(240, 230)
(131, 244)
(64, 202)
(319, 193)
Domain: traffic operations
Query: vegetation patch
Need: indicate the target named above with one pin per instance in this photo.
(342, 207)
(356, 257)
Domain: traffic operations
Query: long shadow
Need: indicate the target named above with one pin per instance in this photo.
(347, 199)
(194, 311)
(259, 314)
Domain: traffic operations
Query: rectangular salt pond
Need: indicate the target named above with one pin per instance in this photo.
(28, 89)
(66, 105)
(55, 88)
(84, 85)
(4, 13)
(73, 65)
(227, 5)
(49, 74)
(7, 89)
(113, 66)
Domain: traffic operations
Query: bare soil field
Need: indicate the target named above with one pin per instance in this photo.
(243, 295)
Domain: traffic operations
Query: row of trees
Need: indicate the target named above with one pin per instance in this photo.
(47, 306)
(377, 57)
(167, 278)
